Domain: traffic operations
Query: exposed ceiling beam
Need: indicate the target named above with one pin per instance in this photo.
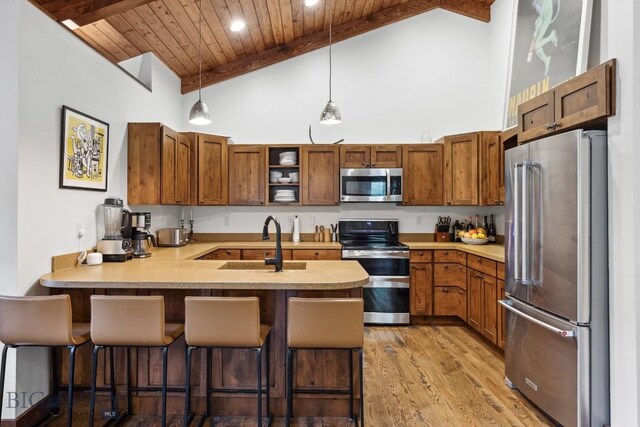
(480, 9)
(308, 44)
(84, 12)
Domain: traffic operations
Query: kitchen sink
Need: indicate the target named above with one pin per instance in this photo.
(259, 265)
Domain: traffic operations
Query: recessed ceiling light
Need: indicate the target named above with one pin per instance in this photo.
(311, 2)
(70, 24)
(237, 25)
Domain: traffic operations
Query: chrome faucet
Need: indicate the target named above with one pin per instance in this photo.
(277, 261)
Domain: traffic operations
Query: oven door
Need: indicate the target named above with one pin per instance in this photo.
(371, 185)
(386, 300)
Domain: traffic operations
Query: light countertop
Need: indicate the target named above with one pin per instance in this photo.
(179, 268)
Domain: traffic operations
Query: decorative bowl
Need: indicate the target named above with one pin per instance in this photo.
(474, 241)
(284, 180)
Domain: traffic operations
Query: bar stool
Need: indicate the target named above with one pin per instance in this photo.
(325, 324)
(130, 321)
(42, 321)
(225, 322)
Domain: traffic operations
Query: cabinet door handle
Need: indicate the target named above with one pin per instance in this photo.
(317, 253)
(266, 253)
(553, 126)
(420, 253)
(480, 260)
(446, 252)
(446, 266)
(228, 252)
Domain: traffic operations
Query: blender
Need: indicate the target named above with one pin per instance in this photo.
(111, 219)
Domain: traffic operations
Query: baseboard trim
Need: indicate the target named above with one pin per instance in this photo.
(33, 416)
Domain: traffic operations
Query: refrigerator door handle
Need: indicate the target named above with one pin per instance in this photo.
(526, 194)
(565, 334)
(517, 274)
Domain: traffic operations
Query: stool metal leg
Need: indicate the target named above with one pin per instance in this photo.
(3, 369)
(187, 388)
(289, 388)
(165, 350)
(361, 363)
(112, 376)
(72, 368)
(268, 367)
(94, 373)
(259, 361)
(351, 387)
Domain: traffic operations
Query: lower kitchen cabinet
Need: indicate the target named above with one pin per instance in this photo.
(227, 254)
(450, 301)
(502, 333)
(316, 254)
(421, 287)
(482, 307)
(261, 254)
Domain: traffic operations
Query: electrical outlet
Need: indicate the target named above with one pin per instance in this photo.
(312, 220)
(79, 230)
(227, 219)
(418, 220)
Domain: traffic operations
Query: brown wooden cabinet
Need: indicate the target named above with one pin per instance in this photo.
(450, 301)
(211, 160)
(502, 333)
(317, 254)
(471, 165)
(320, 175)
(261, 254)
(374, 156)
(482, 304)
(587, 97)
(461, 169)
(490, 170)
(421, 289)
(247, 175)
(423, 175)
(159, 168)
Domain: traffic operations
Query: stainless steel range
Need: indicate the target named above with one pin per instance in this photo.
(374, 244)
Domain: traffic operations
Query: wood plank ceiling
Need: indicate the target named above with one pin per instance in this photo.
(275, 29)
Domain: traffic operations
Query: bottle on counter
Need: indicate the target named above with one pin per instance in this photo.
(485, 226)
(470, 224)
(456, 227)
(491, 232)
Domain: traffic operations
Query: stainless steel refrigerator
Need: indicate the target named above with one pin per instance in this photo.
(557, 346)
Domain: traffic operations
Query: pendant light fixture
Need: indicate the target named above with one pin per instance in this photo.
(199, 114)
(331, 114)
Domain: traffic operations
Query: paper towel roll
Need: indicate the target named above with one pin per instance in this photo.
(296, 229)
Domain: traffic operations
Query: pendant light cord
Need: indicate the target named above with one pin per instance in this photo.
(200, 51)
(330, 31)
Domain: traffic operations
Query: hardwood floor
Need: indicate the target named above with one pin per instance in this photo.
(414, 376)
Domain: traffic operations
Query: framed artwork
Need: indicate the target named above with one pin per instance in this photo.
(549, 45)
(84, 151)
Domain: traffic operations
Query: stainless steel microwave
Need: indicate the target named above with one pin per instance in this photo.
(371, 185)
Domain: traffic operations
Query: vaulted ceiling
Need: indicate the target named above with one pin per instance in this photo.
(275, 29)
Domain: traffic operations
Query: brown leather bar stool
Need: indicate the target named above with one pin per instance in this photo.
(130, 321)
(225, 322)
(325, 324)
(42, 321)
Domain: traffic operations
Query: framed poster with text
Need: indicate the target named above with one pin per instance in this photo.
(549, 45)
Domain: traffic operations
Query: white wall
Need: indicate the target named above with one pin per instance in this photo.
(44, 67)
(9, 78)
(621, 39)
(391, 85)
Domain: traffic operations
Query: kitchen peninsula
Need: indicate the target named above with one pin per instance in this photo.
(179, 272)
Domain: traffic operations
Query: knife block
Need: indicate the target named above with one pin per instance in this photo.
(442, 236)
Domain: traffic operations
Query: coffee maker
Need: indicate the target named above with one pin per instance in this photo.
(141, 238)
(111, 221)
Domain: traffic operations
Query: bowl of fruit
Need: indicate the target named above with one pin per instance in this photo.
(476, 236)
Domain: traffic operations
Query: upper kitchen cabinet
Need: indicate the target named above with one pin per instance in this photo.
(211, 162)
(320, 175)
(370, 156)
(423, 175)
(159, 165)
(247, 175)
(463, 167)
(491, 155)
(574, 103)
